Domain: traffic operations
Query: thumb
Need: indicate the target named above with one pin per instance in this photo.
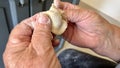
(41, 38)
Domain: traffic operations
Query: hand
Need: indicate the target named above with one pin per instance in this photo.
(30, 46)
(85, 28)
(88, 29)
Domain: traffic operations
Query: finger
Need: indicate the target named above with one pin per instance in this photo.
(64, 5)
(73, 15)
(22, 32)
(57, 2)
(77, 15)
(55, 42)
(69, 33)
(42, 36)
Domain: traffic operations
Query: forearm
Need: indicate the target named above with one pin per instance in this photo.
(111, 44)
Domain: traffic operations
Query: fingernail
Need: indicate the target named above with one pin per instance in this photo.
(43, 19)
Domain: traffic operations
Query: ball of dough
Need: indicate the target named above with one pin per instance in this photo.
(59, 23)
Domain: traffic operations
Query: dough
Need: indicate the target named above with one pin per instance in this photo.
(59, 23)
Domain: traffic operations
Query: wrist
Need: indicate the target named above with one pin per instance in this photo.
(110, 47)
(116, 42)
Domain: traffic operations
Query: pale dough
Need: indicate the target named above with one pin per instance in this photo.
(59, 23)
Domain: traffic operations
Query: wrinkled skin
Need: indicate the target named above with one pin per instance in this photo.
(30, 45)
(85, 26)
(30, 42)
(88, 29)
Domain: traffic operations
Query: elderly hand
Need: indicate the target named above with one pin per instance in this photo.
(88, 29)
(30, 46)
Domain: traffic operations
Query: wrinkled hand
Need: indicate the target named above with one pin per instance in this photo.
(86, 28)
(30, 45)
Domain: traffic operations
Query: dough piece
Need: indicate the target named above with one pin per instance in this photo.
(59, 23)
